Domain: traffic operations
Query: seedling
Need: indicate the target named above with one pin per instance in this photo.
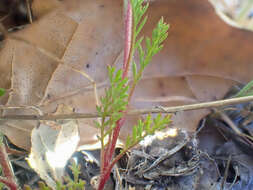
(114, 105)
(70, 184)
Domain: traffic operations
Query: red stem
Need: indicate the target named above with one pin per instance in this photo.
(10, 179)
(108, 171)
(109, 151)
(106, 153)
(9, 183)
(106, 162)
(115, 136)
(128, 39)
(105, 176)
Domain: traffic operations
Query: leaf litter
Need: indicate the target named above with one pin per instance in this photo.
(198, 63)
(53, 143)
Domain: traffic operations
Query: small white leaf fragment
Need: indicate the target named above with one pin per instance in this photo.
(53, 143)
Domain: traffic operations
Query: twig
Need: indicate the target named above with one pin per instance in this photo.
(226, 173)
(35, 108)
(229, 122)
(118, 183)
(201, 126)
(29, 11)
(246, 137)
(174, 109)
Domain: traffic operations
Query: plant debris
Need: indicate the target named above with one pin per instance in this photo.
(160, 162)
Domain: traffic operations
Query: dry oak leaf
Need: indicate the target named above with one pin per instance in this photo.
(200, 61)
(53, 143)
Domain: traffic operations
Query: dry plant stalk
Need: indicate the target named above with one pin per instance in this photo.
(172, 109)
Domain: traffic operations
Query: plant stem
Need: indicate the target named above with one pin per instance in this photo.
(9, 179)
(128, 53)
(116, 135)
(115, 160)
(133, 86)
(173, 109)
(8, 183)
(128, 50)
(102, 145)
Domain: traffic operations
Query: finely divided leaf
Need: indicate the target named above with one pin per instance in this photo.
(145, 128)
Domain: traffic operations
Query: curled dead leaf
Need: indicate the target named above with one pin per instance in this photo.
(53, 143)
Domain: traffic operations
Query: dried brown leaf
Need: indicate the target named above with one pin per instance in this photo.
(201, 59)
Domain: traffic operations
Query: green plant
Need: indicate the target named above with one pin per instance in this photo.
(7, 178)
(247, 90)
(2, 91)
(70, 184)
(114, 105)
